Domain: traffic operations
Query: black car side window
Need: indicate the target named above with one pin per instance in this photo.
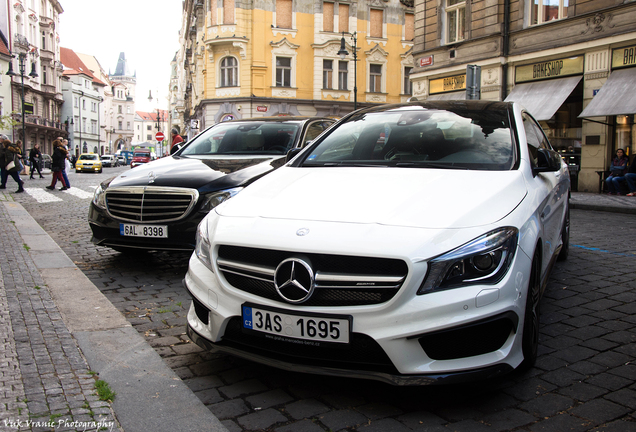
(313, 131)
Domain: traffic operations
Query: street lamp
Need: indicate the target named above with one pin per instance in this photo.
(33, 74)
(344, 53)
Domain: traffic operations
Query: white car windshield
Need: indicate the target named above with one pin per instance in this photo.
(420, 137)
(250, 138)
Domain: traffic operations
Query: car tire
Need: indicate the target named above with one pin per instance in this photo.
(530, 334)
(565, 235)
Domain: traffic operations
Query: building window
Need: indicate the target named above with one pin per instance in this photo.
(455, 20)
(375, 78)
(343, 18)
(44, 75)
(343, 75)
(76, 124)
(228, 11)
(409, 26)
(119, 109)
(327, 74)
(93, 126)
(542, 11)
(76, 103)
(128, 126)
(148, 127)
(283, 72)
(43, 40)
(284, 14)
(229, 72)
(120, 125)
(408, 85)
(327, 16)
(148, 137)
(84, 104)
(376, 20)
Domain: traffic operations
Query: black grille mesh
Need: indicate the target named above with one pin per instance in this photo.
(320, 263)
(361, 353)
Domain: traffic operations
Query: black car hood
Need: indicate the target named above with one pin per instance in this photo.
(204, 173)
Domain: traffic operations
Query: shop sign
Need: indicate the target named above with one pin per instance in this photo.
(426, 61)
(549, 69)
(448, 84)
(261, 108)
(623, 57)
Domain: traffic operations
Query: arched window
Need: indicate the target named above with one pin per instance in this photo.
(229, 72)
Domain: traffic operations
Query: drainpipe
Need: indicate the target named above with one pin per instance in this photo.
(506, 47)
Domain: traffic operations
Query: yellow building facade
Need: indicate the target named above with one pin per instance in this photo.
(285, 57)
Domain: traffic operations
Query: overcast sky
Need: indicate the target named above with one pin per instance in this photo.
(146, 30)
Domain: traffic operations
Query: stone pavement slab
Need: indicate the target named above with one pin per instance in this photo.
(63, 325)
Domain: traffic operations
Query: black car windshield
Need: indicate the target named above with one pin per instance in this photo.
(249, 138)
(421, 138)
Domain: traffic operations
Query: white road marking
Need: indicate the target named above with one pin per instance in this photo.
(78, 193)
(42, 195)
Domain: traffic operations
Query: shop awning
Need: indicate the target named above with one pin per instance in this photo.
(543, 98)
(616, 97)
(448, 96)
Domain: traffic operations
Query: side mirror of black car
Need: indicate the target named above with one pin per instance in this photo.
(547, 161)
(175, 148)
(292, 153)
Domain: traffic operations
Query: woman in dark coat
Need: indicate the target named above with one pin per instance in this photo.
(34, 158)
(58, 164)
(8, 152)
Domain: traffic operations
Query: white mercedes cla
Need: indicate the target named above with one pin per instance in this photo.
(409, 243)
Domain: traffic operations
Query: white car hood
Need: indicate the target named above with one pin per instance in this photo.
(407, 197)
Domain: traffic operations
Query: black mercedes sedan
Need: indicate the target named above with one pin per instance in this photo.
(158, 206)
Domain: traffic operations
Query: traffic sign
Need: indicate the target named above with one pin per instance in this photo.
(159, 136)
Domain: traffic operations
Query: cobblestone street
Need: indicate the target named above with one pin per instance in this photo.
(584, 379)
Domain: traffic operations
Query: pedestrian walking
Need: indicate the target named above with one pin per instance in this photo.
(618, 168)
(67, 164)
(57, 164)
(35, 156)
(11, 164)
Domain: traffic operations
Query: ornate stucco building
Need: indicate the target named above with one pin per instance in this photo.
(122, 116)
(566, 61)
(250, 59)
(33, 41)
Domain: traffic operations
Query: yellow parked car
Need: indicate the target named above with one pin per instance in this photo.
(88, 162)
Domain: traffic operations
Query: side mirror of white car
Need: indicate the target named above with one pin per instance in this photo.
(547, 161)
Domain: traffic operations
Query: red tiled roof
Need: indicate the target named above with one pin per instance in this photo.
(146, 116)
(3, 48)
(74, 66)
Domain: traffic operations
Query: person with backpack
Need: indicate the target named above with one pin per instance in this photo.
(9, 154)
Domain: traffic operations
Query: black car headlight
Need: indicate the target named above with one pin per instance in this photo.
(99, 199)
(484, 260)
(214, 199)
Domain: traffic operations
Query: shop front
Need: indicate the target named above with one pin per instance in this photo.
(615, 101)
(552, 91)
(447, 88)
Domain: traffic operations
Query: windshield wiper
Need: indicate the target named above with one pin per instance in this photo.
(429, 165)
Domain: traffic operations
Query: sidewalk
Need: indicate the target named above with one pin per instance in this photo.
(59, 334)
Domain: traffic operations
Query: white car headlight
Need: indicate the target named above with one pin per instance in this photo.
(202, 249)
(99, 199)
(214, 199)
(484, 260)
